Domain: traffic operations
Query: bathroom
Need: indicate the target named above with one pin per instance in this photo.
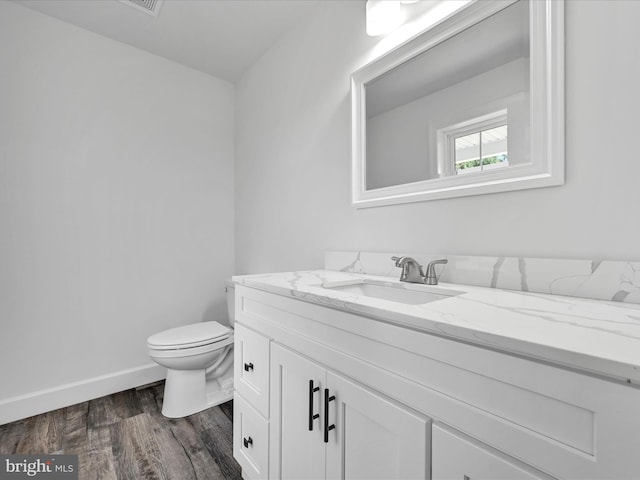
(134, 186)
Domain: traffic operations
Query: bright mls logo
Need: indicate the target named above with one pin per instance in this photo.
(51, 467)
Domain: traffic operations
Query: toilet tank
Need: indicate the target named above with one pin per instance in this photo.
(229, 287)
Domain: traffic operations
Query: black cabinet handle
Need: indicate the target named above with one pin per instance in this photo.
(312, 416)
(247, 442)
(248, 366)
(327, 427)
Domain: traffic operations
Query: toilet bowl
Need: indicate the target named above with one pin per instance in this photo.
(199, 363)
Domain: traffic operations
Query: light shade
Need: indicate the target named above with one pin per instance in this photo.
(383, 16)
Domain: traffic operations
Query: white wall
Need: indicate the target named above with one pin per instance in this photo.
(293, 155)
(116, 206)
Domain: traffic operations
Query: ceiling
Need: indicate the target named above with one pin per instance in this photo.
(497, 40)
(219, 37)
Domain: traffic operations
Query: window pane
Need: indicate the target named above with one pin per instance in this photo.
(494, 148)
(467, 153)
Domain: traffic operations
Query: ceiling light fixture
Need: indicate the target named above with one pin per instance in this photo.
(383, 16)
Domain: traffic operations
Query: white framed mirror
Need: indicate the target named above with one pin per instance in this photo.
(473, 105)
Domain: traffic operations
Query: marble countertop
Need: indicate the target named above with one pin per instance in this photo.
(596, 336)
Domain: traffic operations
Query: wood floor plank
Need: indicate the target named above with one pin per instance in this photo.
(180, 440)
(135, 450)
(204, 465)
(151, 400)
(227, 409)
(176, 459)
(113, 408)
(92, 445)
(215, 427)
(10, 436)
(216, 431)
(75, 437)
(75, 428)
(43, 433)
(211, 417)
(218, 441)
(125, 436)
(99, 463)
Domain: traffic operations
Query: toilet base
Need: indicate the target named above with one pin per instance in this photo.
(188, 391)
(219, 395)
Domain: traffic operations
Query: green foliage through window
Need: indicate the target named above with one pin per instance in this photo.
(485, 161)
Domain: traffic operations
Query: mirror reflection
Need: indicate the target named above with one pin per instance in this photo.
(460, 108)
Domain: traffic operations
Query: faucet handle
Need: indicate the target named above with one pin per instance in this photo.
(396, 259)
(431, 278)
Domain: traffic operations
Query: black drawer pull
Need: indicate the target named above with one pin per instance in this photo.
(248, 366)
(312, 416)
(327, 427)
(247, 442)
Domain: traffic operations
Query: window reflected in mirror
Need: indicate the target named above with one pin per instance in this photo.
(476, 145)
(481, 151)
(467, 91)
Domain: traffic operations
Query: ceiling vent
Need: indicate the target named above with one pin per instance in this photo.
(150, 7)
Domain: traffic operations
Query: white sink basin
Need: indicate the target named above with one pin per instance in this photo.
(408, 293)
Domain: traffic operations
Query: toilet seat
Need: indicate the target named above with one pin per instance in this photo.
(189, 336)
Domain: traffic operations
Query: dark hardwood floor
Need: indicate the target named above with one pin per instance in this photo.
(124, 436)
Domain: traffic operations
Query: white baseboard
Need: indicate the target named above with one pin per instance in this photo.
(23, 406)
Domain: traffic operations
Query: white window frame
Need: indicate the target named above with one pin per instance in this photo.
(446, 138)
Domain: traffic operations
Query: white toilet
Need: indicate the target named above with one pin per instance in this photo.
(199, 362)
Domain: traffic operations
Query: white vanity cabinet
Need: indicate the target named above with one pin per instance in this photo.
(324, 425)
(404, 403)
(458, 458)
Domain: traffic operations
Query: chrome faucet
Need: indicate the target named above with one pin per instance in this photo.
(431, 278)
(412, 270)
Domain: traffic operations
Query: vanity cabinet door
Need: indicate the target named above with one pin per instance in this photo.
(458, 458)
(335, 428)
(297, 449)
(373, 437)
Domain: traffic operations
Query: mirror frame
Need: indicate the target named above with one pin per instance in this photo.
(546, 110)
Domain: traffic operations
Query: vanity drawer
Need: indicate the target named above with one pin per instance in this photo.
(455, 458)
(251, 368)
(250, 440)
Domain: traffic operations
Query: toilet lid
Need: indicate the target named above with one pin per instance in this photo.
(189, 336)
